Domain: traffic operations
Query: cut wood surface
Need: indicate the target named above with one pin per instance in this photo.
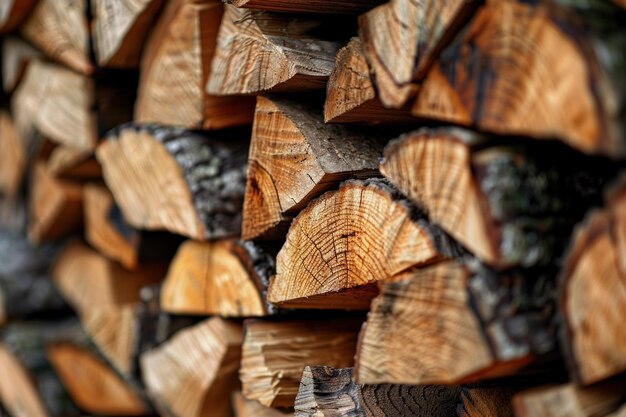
(175, 67)
(486, 402)
(61, 30)
(294, 157)
(347, 240)
(264, 51)
(515, 44)
(274, 354)
(71, 163)
(350, 93)
(308, 6)
(56, 207)
(16, 54)
(330, 392)
(194, 373)
(462, 325)
(507, 204)
(243, 407)
(119, 29)
(93, 386)
(13, 157)
(166, 178)
(402, 37)
(12, 12)
(209, 278)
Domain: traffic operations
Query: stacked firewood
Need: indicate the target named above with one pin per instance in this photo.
(313, 208)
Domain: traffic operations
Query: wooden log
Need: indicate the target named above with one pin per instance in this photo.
(508, 204)
(91, 384)
(75, 164)
(61, 30)
(295, 157)
(342, 7)
(56, 207)
(347, 240)
(243, 407)
(402, 37)
(195, 372)
(16, 54)
(274, 354)
(175, 67)
(508, 92)
(201, 179)
(12, 158)
(463, 323)
(486, 402)
(350, 93)
(211, 278)
(119, 30)
(263, 51)
(12, 12)
(107, 231)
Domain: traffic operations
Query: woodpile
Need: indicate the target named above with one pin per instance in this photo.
(305, 208)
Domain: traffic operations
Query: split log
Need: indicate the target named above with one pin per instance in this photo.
(263, 51)
(402, 37)
(195, 372)
(107, 231)
(16, 54)
(274, 354)
(12, 158)
(211, 278)
(350, 94)
(347, 240)
(507, 92)
(508, 204)
(201, 179)
(486, 402)
(341, 7)
(243, 407)
(599, 400)
(91, 384)
(61, 30)
(175, 67)
(295, 157)
(75, 164)
(12, 12)
(119, 30)
(463, 323)
(56, 207)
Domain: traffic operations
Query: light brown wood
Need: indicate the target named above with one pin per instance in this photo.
(60, 29)
(56, 207)
(12, 12)
(402, 37)
(294, 157)
(243, 407)
(93, 386)
(308, 6)
(12, 158)
(76, 164)
(264, 51)
(16, 54)
(119, 30)
(208, 278)
(274, 354)
(175, 67)
(347, 240)
(194, 373)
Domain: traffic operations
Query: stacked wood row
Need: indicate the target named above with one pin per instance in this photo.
(274, 208)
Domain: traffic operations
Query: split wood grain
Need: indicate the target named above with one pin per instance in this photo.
(13, 158)
(341, 7)
(243, 407)
(12, 12)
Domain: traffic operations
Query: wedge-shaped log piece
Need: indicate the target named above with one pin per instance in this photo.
(326, 391)
(91, 384)
(510, 204)
(263, 51)
(308, 6)
(274, 355)
(12, 12)
(295, 157)
(56, 207)
(350, 93)
(13, 158)
(502, 74)
(210, 278)
(76, 164)
(347, 240)
(194, 373)
(119, 30)
(243, 407)
(175, 67)
(167, 178)
(462, 323)
(16, 54)
(61, 30)
(402, 37)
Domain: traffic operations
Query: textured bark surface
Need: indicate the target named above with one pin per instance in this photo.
(12, 12)
(274, 354)
(497, 74)
(264, 51)
(295, 157)
(166, 178)
(464, 323)
(308, 6)
(347, 240)
(508, 204)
